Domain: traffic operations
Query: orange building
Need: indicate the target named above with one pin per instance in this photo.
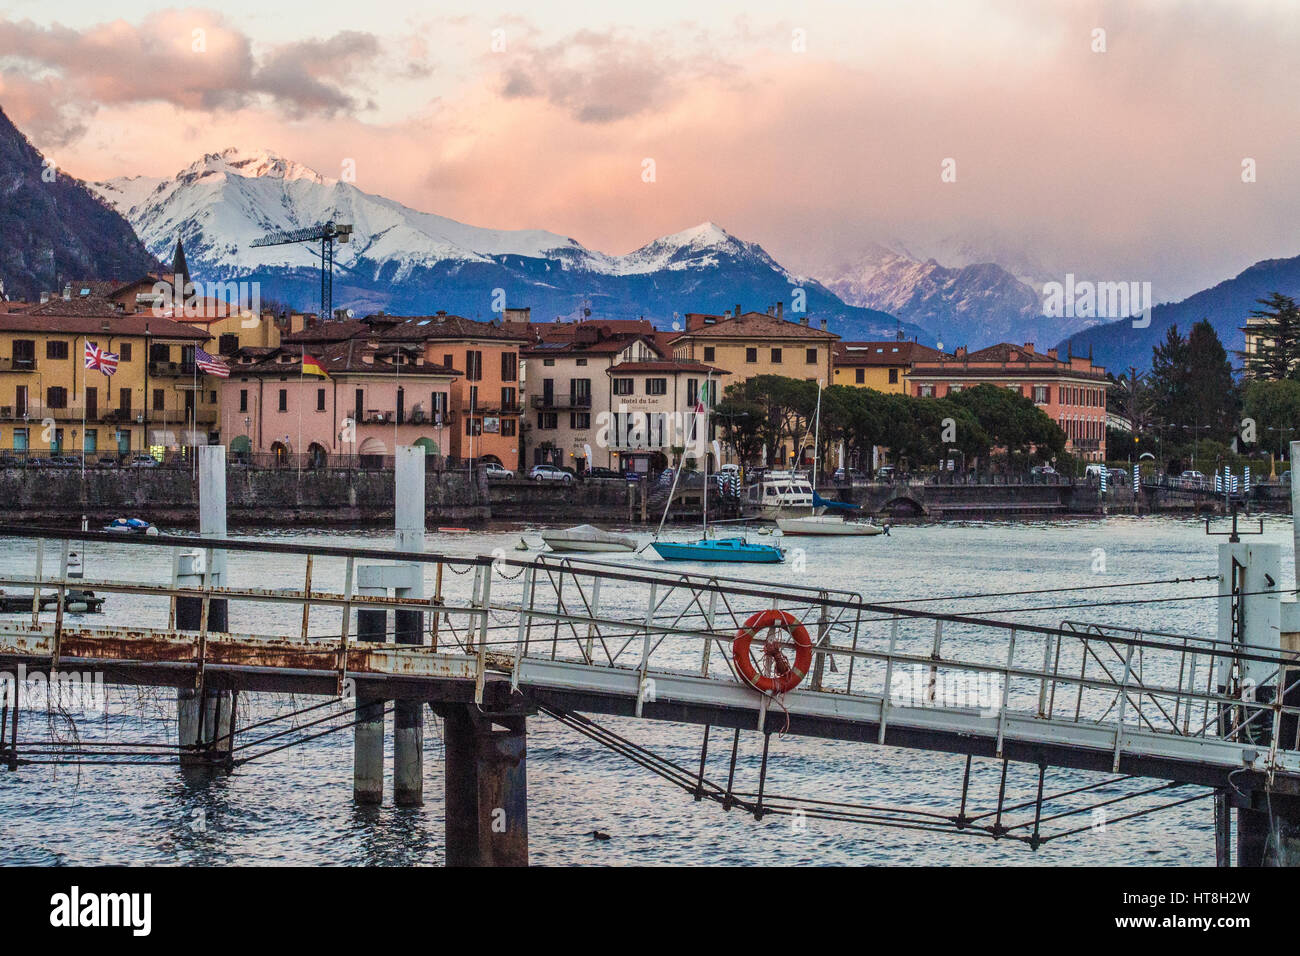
(1071, 391)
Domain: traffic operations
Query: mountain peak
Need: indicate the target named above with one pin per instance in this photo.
(251, 164)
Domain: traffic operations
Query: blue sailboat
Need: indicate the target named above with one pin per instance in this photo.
(719, 549)
(733, 550)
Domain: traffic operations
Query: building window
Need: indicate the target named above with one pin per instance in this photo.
(859, 376)
(56, 350)
(160, 401)
(507, 427)
(692, 392)
(124, 352)
(24, 353)
(548, 362)
(473, 426)
(473, 365)
(582, 362)
(925, 391)
(56, 396)
(893, 376)
(507, 397)
(227, 343)
(656, 386)
(509, 366)
(160, 353)
(243, 399)
(320, 399)
(776, 356)
(547, 421)
(1042, 394)
(579, 420)
(709, 352)
(623, 386)
(284, 400)
(124, 400)
(473, 398)
(810, 356)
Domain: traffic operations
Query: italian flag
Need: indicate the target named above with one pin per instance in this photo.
(312, 367)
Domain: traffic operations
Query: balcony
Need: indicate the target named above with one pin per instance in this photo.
(9, 364)
(557, 402)
(172, 369)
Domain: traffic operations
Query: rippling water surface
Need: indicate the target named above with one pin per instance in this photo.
(295, 806)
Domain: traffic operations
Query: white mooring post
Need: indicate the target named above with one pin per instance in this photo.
(408, 715)
(211, 723)
(1268, 823)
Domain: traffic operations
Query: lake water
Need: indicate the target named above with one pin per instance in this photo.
(295, 806)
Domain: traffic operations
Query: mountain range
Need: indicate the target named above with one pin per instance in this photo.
(1118, 345)
(406, 261)
(53, 229)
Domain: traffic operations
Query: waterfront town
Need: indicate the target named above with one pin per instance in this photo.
(294, 389)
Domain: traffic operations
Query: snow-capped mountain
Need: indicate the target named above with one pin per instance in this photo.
(408, 261)
(963, 303)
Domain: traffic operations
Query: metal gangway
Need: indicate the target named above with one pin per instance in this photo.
(588, 636)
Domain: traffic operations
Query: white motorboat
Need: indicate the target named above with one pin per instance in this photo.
(779, 492)
(587, 538)
(827, 524)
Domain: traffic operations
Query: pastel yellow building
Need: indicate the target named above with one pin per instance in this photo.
(757, 343)
(51, 404)
(883, 366)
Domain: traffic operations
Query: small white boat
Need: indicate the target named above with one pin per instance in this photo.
(827, 524)
(586, 538)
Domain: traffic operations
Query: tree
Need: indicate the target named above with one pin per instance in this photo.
(1277, 350)
(1192, 385)
(1011, 421)
(1275, 409)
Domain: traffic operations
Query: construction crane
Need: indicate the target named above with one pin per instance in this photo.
(326, 233)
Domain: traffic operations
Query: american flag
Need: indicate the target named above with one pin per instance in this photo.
(97, 358)
(209, 365)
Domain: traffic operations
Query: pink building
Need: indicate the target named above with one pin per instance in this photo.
(372, 399)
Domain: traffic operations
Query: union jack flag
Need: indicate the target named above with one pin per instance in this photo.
(97, 358)
(209, 365)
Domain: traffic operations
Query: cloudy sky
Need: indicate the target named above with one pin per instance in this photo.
(816, 129)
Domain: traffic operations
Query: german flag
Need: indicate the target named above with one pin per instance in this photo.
(312, 367)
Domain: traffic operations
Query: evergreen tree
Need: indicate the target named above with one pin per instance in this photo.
(1277, 349)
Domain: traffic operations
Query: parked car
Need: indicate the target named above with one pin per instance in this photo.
(550, 473)
(886, 473)
(142, 461)
(10, 461)
(1118, 476)
(1194, 478)
(1046, 470)
(496, 471)
(106, 461)
(603, 473)
(848, 474)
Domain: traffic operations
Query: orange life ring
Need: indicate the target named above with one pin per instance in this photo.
(786, 675)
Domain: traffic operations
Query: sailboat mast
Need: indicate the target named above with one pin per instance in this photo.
(817, 430)
(708, 388)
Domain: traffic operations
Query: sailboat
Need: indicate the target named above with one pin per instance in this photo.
(825, 524)
(733, 549)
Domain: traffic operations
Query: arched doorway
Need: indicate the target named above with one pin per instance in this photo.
(241, 449)
(428, 444)
(371, 453)
(317, 456)
(279, 454)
